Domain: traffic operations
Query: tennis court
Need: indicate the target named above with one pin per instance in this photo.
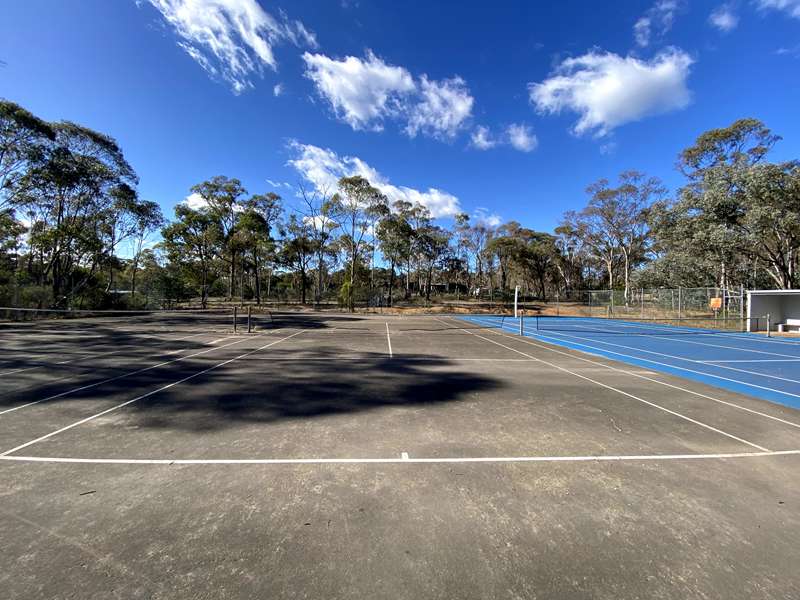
(753, 364)
(326, 455)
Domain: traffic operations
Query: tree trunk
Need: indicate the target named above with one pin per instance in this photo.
(391, 280)
(257, 276)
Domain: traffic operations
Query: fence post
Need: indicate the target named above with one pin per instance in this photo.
(521, 326)
(680, 300)
(769, 326)
(641, 299)
(249, 319)
(235, 311)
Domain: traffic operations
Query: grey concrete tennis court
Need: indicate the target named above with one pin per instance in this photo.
(349, 456)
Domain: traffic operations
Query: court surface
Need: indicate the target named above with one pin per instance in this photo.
(750, 363)
(351, 456)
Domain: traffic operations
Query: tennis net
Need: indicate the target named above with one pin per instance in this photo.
(638, 326)
(175, 320)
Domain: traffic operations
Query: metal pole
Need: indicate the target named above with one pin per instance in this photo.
(557, 310)
(679, 302)
(769, 326)
(249, 319)
(642, 300)
(521, 326)
(516, 296)
(234, 318)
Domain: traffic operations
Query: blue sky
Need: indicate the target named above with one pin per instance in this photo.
(507, 109)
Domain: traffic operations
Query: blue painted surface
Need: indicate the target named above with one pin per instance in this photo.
(741, 362)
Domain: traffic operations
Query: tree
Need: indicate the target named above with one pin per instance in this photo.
(351, 208)
(297, 250)
(193, 241)
(262, 214)
(318, 215)
(433, 243)
(224, 199)
(72, 194)
(24, 139)
(614, 225)
(394, 238)
(148, 218)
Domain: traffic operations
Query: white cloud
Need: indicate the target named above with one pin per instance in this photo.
(521, 137)
(660, 15)
(723, 18)
(231, 39)
(323, 168)
(195, 201)
(517, 135)
(607, 90)
(641, 31)
(791, 7)
(361, 92)
(444, 107)
(364, 93)
(482, 138)
(279, 184)
(277, 89)
(483, 217)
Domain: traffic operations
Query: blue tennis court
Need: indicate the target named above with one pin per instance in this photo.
(767, 368)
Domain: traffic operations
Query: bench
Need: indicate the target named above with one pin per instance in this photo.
(789, 325)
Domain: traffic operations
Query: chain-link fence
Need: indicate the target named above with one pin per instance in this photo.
(672, 303)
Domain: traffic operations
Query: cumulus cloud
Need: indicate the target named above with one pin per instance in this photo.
(444, 107)
(364, 93)
(521, 137)
(482, 138)
(195, 201)
(790, 7)
(232, 39)
(660, 16)
(723, 18)
(277, 89)
(608, 90)
(517, 135)
(323, 168)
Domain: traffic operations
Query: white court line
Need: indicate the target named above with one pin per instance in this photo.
(758, 360)
(577, 337)
(639, 375)
(110, 379)
(685, 341)
(389, 340)
(150, 393)
(401, 460)
(655, 362)
(624, 393)
(94, 354)
(741, 336)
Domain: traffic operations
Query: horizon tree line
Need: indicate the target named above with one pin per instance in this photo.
(74, 232)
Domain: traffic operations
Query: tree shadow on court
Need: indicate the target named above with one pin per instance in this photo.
(264, 391)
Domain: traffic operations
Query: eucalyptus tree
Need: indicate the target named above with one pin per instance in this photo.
(709, 208)
(297, 250)
(394, 239)
(24, 141)
(261, 217)
(352, 208)
(225, 200)
(432, 243)
(72, 196)
(148, 218)
(192, 241)
(317, 211)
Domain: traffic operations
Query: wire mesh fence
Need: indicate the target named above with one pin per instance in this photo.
(671, 303)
